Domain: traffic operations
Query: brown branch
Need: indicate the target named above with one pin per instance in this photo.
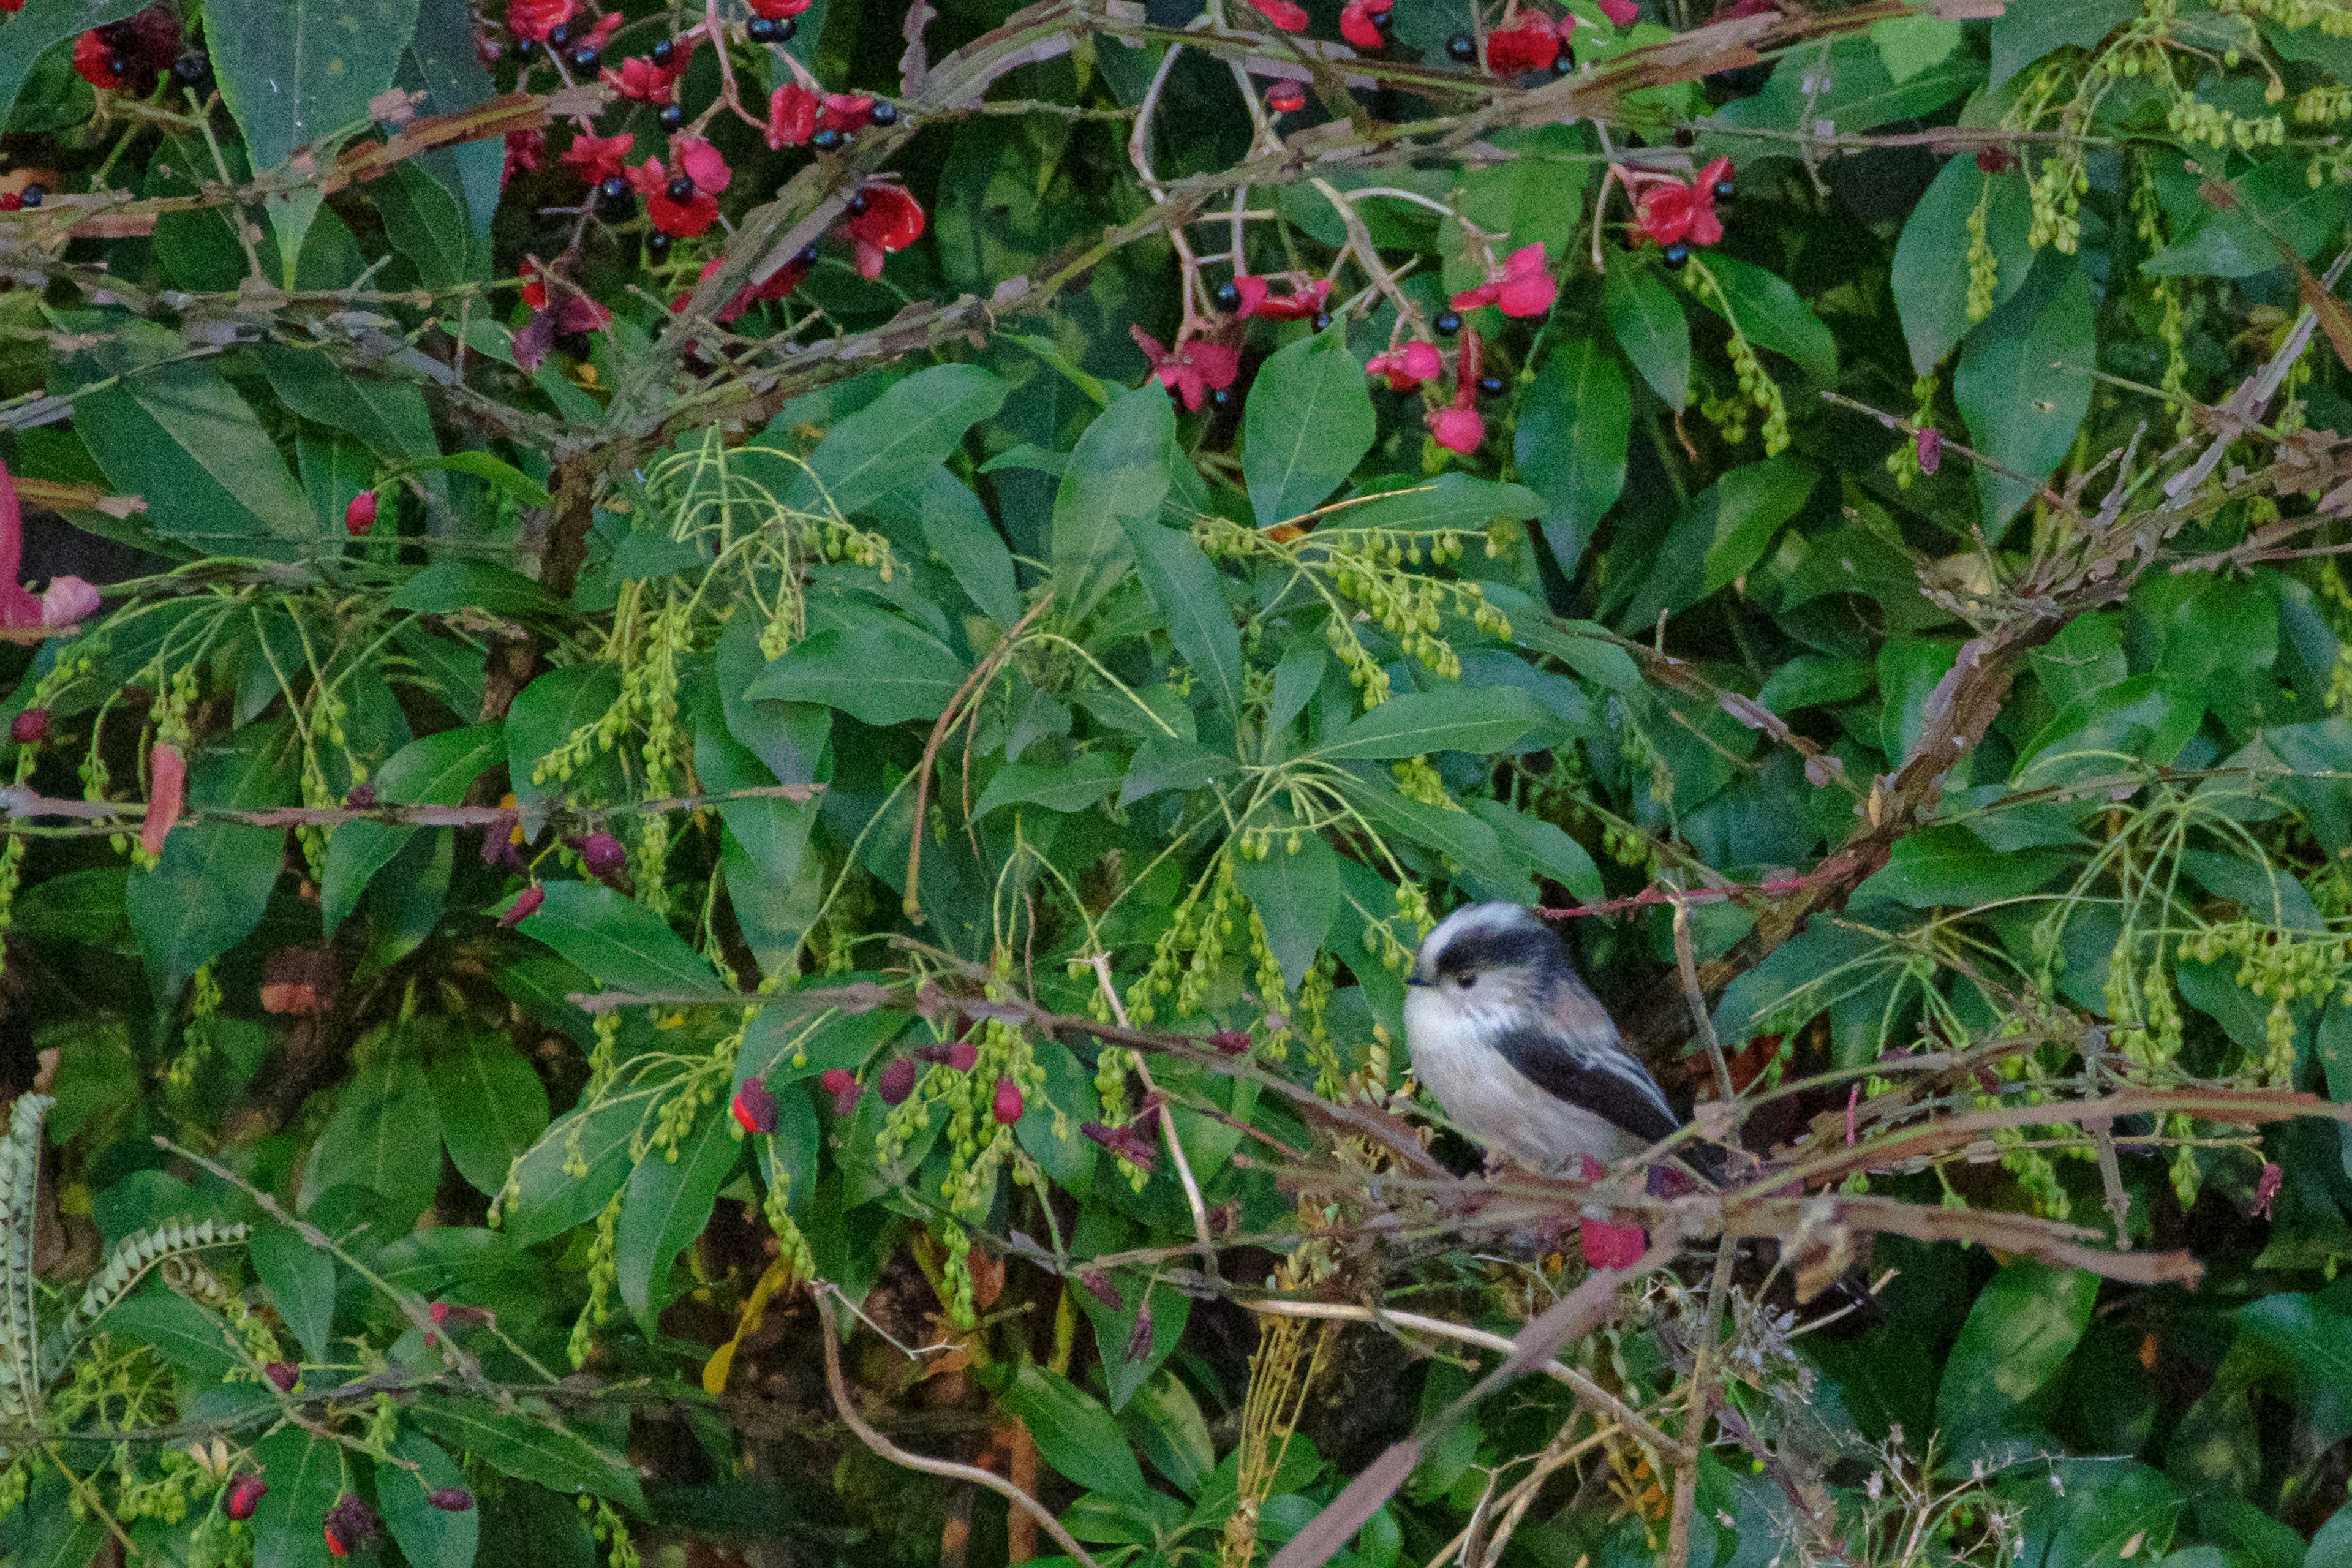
(845, 1403)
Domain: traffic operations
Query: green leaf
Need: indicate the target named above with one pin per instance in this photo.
(436, 770)
(1165, 1422)
(1484, 720)
(1772, 316)
(1931, 275)
(205, 895)
(547, 1199)
(1309, 423)
(42, 1531)
(1723, 532)
(1650, 326)
(2024, 384)
(665, 1206)
(2029, 30)
(180, 1331)
(1131, 1349)
(616, 940)
(1297, 890)
(1190, 598)
(1450, 500)
(41, 27)
(427, 1536)
(1542, 848)
(384, 1136)
(957, 530)
(545, 716)
(2143, 719)
(297, 73)
(426, 222)
(388, 415)
(441, 63)
(529, 1444)
(493, 1107)
(912, 427)
(881, 670)
(493, 471)
(1067, 1158)
(2026, 1322)
(1937, 865)
(305, 1472)
(1909, 44)
(1074, 1433)
(1075, 785)
(178, 435)
(300, 1281)
(1120, 469)
(1163, 762)
(1575, 424)
(446, 587)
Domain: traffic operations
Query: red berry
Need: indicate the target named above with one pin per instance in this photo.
(1007, 1105)
(1231, 1042)
(755, 1107)
(245, 1495)
(526, 905)
(842, 1085)
(963, 1056)
(450, 1500)
(285, 1374)
(1285, 97)
(601, 855)
(898, 1080)
(29, 728)
(360, 516)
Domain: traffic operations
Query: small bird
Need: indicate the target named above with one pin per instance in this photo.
(1519, 1054)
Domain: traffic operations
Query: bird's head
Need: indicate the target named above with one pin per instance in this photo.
(1488, 955)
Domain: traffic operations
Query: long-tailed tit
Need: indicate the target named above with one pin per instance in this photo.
(1519, 1054)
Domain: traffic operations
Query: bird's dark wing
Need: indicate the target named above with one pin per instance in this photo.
(1601, 1077)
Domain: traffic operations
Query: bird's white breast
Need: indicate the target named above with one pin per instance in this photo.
(1491, 1101)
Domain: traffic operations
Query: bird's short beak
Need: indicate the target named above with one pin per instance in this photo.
(1414, 980)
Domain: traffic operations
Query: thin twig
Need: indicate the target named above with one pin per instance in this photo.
(977, 681)
(948, 1469)
(1167, 1126)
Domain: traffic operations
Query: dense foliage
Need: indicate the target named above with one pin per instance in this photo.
(741, 716)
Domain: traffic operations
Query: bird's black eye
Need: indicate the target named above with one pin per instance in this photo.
(1465, 978)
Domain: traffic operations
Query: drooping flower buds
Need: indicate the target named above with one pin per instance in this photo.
(526, 905)
(360, 515)
(1006, 1105)
(897, 1081)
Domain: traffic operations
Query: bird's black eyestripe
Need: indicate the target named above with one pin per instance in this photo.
(1475, 951)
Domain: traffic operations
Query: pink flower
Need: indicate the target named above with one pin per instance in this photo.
(526, 905)
(1409, 366)
(791, 116)
(1672, 213)
(167, 778)
(846, 111)
(534, 19)
(597, 36)
(1191, 369)
(682, 219)
(1929, 444)
(640, 79)
(67, 602)
(777, 10)
(1620, 12)
(1610, 1246)
(1257, 299)
(525, 149)
(1359, 23)
(68, 599)
(597, 158)
(1525, 289)
(700, 162)
(1457, 429)
(882, 218)
(1532, 46)
(1286, 14)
